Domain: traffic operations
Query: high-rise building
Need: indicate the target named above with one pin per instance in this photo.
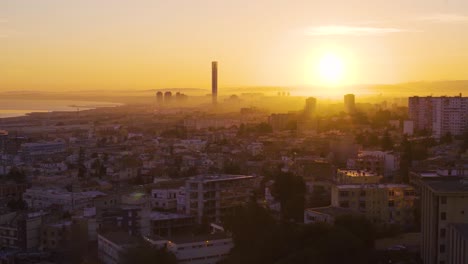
(214, 81)
(439, 115)
(167, 97)
(310, 106)
(443, 203)
(159, 98)
(349, 103)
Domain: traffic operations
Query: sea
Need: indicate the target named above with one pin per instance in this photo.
(21, 107)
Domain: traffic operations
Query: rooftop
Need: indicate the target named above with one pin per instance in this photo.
(331, 210)
(166, 215)
(356, 173)
(447, 184)
(218, 177)
(182, 239)
(372, 186)
(121, 238)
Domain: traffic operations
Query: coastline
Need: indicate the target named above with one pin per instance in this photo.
(71, 106)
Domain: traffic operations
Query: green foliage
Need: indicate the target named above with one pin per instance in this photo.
(289, 190)
(386, 143)
(231, 167)
(17, 175)
(446, 139)
(259, 239)
(145, 254)
(16, 205)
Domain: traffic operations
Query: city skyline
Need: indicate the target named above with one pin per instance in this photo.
(51, 45)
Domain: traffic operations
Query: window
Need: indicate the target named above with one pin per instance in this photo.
(344, 193)
(442, 248)
(442, 232)
(391, 193)
(362, 193)
(391, 203)
(443, 199)
(443, 216)
(344, 204)
(362, 204)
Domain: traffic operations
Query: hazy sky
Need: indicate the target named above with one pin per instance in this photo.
(86, 44)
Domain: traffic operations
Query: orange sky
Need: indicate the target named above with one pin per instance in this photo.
(89, 44)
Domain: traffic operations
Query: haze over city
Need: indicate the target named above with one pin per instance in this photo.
(234, 132)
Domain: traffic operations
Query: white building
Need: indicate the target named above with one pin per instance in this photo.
(457, 244)
(444, 201)
(43, 148)
(40, 198)
(408, 127)
(112, 245)
(201, 249)
(164, 198)
(439, 115)
(385, 163)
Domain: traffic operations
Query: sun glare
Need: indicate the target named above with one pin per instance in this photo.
(331, 69)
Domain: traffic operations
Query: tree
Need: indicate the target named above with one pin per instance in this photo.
(17, 175)
(358, 226)
(146, 254)
(15, 205)
(289, 190)
(406, 158)
(81, 166)
(387, 142)
(447, 138)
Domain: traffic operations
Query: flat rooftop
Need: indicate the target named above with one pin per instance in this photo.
(356, 173)
(372, 186)
(218, 177)
(331, 210)
(166, 216)
(183, 239)
(447, 184)
(121, 238)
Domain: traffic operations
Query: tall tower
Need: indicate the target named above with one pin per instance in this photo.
(214, 82)
(310, 106)
(167, 97)
(349, 103)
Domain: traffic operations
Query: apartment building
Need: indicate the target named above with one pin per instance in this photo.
(444, 201)
(210, 197)
(439, 115)
(380, 203)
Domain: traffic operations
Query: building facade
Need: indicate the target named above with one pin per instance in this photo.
(380, 203)
(439, 115)
(210, 197)
(444, 201)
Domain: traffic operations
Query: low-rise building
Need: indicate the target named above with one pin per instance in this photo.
(326, 214)
(112, 245)
(41, 198)
(167, 224)
(380, 203)
(199, 249)
(20, 230)
(210, 197)
(357, 177)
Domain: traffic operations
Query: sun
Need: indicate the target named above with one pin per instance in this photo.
(331, 69)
